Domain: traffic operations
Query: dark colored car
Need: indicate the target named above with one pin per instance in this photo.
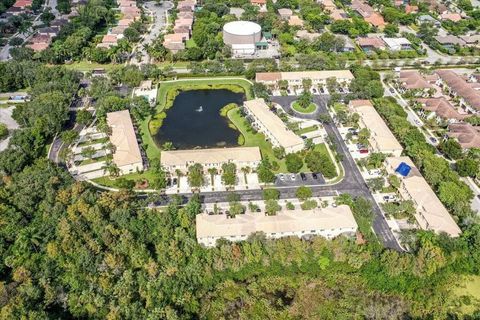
(314, 176)
(303, 176)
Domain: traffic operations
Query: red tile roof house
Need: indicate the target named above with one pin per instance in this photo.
(368, 14)
(413, 80)
(440, 109)
(458, 87)
(371, 44)
(175, 41)
(109, 40)
(455, 17)
(39, 42)
(467, 135)
(22, 4)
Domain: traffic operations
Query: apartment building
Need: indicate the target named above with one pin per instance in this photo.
(274, 129)
(127, 155)
(242, 157)
(296, 78)
(430, 212)
(381, 138)
(326, 222)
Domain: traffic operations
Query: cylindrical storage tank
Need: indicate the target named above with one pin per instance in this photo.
(241, 32)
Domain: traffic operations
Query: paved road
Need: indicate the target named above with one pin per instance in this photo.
(159, 15)
(57, 144)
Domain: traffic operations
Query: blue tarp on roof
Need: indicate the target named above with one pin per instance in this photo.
(403, 169)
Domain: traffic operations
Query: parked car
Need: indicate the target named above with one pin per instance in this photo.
(282, 177)
(389, 197)
(433, 140)
(363, 151)
(293, 177)
(314, 176)
(303, 176)
(392, 90)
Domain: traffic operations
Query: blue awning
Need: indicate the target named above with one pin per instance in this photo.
(403, 169)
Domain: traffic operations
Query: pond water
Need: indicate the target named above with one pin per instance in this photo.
(194, 120)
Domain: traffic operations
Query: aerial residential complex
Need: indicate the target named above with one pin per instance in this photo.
(274, 129)
(325, 222)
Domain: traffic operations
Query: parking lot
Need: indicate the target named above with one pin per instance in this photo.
(293, 179)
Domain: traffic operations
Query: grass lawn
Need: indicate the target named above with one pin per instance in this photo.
(311, 108)
(466, 295)
(87, 66)
(306, 130)
(106, 181)
(178, 64)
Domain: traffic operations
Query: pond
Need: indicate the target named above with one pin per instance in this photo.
(194, 120)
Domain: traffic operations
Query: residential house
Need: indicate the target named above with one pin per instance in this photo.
(285, 13)
(295, 21)
(175, 41)
(413, 80)
(49, 31)
(262, 4)
(425, 18)
(411, 9)
(450, 41)
(397, 44)
(440, 109)
(368, 44)
(467, 135)
(452, 16)
(459, 88)
(39, 42)
(368, 13)
(295, 79)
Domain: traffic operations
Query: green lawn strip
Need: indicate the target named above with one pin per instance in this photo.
(87, 66)
(311, 108)
(151, 149)
(92, 142)
(100, 159)
(178, 64)
(306, 130)
(254, 139)
(108, 182)
(322, 148)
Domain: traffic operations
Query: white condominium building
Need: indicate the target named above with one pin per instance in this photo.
(274, 129)
(431, 214)
(210, 158)
(381, 138)
(127, 154)
(296, 78)
(327, 222)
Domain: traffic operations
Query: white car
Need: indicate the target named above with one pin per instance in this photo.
(282, 177)
(293, 176)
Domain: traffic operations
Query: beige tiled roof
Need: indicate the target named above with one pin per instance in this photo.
(412, 79)
(210, 156)
(123, 138)
(442, 107)
(294, 75)
(461, 87)
(467, 135)
(436, 216)
(375, 42)
(295, 21)
(385, 141)
(272, 122)
(285, 221)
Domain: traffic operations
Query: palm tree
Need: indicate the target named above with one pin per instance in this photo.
(179, 174)
(212, 172)
(246, 170)
(111, 168)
